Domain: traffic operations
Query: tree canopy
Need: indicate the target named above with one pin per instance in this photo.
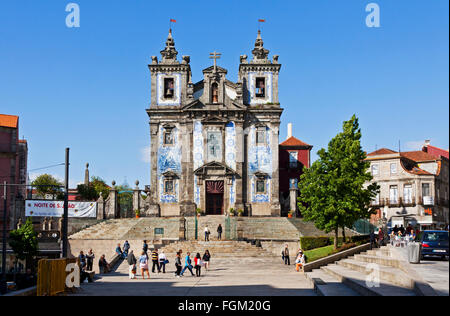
(47, 184)
(334, 191)
(23, 241)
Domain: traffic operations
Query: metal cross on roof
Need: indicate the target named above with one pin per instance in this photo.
(215, 56)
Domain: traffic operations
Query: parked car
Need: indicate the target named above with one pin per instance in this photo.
(434, 243)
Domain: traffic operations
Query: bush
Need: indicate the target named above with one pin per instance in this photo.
(308, 243)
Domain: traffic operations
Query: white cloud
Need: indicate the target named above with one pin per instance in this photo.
(145, 154)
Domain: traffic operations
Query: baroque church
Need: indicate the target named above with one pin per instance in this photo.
(214, 143)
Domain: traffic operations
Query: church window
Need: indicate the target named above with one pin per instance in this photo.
(214, 93)
(169, 88)
(168, 186)
(260, 87)
(260, 186)
(261, 135)
(168, 138)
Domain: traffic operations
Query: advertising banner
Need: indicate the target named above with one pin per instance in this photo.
(56, 208)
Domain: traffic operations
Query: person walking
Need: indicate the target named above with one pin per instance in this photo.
(126, 248)
(206, 258)
(132, 265)
(155, 260)
(178, 264)
(287, 260)
(380, 237)
(143, 263)
(119, 251)
(145, 247)
(89, 260)
(207, 232)
(187, 264)
(219, 232)
(198, 265)
(162, 261)
(103, 265)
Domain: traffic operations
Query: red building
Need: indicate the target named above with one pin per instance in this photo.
(13, 167)
(294, 155)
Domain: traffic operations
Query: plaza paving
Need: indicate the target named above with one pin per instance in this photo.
(436, 273)
(226, 277)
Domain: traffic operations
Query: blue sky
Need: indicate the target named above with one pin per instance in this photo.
(88, 88)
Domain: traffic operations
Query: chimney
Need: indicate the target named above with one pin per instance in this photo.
(289, 131)
(427, 142)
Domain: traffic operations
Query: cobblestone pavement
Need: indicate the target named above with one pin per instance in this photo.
(226, 277)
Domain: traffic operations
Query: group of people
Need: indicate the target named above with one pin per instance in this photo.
(159, 261)
(208, 232)
(300, 258)
(87, 261)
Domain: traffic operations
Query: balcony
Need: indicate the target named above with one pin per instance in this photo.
(426, 200)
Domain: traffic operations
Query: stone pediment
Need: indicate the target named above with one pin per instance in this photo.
(170, 175)
(214, 120)
(218, 69)
(260, 174)
(215, 168)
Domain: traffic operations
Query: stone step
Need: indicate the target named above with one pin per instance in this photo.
(389, 274)
(357, 281)
(326, 285)
(381, 260)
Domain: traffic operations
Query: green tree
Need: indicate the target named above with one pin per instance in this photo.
(333, 192)
(87, 192)
(100, 187)
(24, 243)
(47, 184)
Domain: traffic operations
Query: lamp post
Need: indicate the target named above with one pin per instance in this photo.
(65, 222)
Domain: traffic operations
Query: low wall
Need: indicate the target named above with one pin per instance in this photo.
(336, 257)
(275, 247)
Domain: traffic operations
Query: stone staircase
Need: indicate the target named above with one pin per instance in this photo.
(353, 276)
(217, 249)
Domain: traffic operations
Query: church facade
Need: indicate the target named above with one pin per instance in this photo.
(214, 143)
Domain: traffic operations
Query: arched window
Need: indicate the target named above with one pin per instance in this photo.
(214, 93)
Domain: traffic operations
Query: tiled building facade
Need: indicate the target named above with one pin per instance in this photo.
(214, 143)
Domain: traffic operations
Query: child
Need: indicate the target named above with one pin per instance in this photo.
(198, 264)
(300, 261)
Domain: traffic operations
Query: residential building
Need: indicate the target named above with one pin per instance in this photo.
(413, 186)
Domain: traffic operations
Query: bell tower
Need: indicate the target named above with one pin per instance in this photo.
(260, 76)
(169, 78)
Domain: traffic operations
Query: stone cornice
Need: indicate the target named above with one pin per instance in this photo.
(168, 67)
(259, 67)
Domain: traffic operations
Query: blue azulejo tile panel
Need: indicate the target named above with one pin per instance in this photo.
(260, 160)
(233, 192)
(259, 156)
(169, 159)
(198, 145)
(260, 197)
(230, 145)
(168, 197)
(196, 192)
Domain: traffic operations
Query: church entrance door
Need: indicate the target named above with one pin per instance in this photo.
(214, 197)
